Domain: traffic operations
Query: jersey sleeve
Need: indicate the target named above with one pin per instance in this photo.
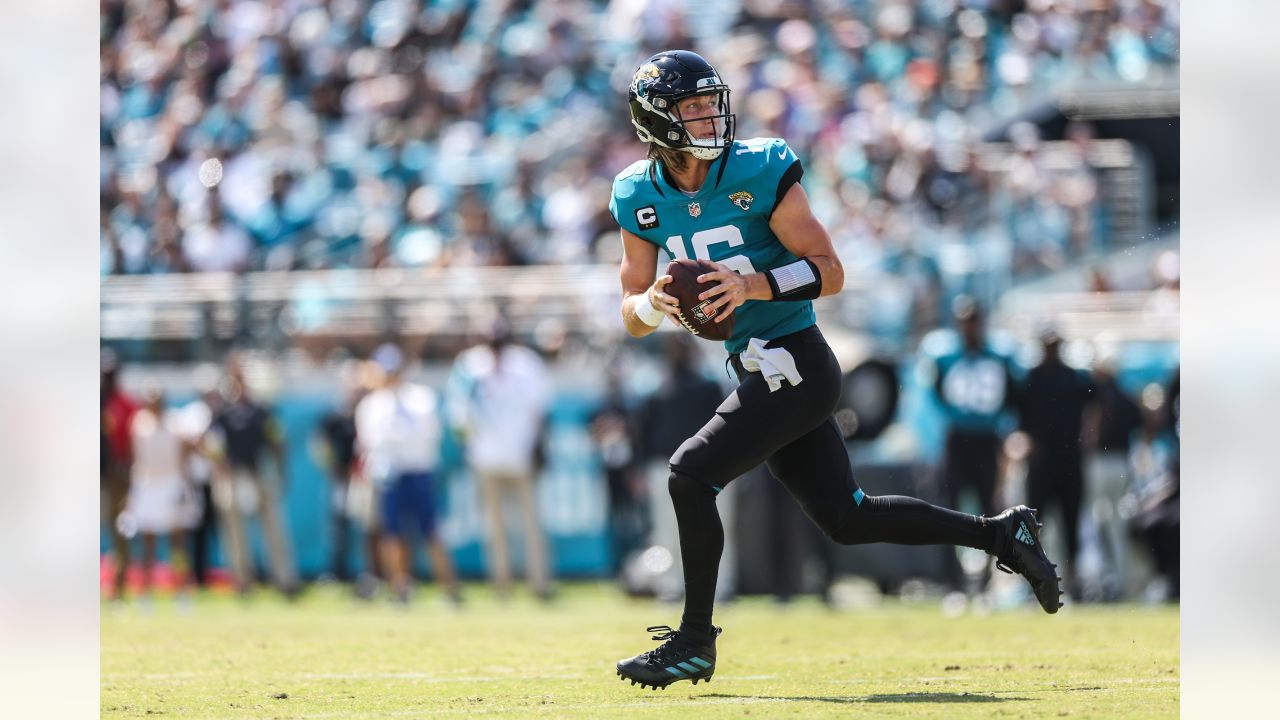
(619, 214)
(782, 170)
(625, 204)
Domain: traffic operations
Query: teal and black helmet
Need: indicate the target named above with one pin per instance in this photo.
(660, 84)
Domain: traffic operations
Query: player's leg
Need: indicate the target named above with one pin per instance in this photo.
(423, 506)
(499, 563)
(987, 471)
(365, 512)
(275, 531)
(230, 494)
(202, 534)
(748, 426)
(148, 562)
(1040, 493)
(537, 568)
(957, 472)
(179, 560)
(391, 547)
(815, 470)
(1071, 495)
(340, 526)
(117, 486)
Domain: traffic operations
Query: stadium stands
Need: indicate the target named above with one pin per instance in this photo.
(358, 134)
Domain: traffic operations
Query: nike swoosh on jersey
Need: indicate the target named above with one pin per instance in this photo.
(782, 154)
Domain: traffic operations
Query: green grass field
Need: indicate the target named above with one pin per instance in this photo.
(330, 657)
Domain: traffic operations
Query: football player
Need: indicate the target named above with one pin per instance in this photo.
(704, 194)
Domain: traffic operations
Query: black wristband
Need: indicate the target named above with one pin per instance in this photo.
(799, 280)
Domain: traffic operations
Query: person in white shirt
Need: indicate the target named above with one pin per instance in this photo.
(398, 433)
(161, 500)
(497, 403)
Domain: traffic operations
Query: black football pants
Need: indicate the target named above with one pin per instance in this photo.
(793, 431)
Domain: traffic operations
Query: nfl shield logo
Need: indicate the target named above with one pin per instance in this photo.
(695, 209)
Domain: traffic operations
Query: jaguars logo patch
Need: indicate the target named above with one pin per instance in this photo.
(742, 199)
(640, 82)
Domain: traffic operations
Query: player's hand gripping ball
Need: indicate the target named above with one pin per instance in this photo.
(697, 316)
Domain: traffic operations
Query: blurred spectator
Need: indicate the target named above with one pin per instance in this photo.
(162, 501)
(399, 431)
(1111, 420)
(117, 409)
(1154, 504)
(337, 434)
(1051, 414)
(614, 433)
(499, 396)
(1077, 191)
(976, 387)
(245, 431)
(192, 423)
(676, 411)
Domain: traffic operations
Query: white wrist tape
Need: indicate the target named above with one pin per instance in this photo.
(647, 313)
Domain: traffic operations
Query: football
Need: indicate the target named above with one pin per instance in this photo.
(684, 287)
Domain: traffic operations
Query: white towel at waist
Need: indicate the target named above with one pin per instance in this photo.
(774, 363)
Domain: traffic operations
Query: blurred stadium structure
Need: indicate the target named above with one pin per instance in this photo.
(305, 179)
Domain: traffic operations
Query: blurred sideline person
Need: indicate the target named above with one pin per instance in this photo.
(117, 409)
(739, 205)
(613, 432)
(337, 435)
(1110, 424)
(1053, 403)
(498, 398)
(1154, 503)
(975, 387)
(161, 498)
(674, 412)
(243, 432)
(193, 422)
(398, 433)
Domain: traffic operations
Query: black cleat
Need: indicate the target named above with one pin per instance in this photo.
(1023, 554)
(676, 659)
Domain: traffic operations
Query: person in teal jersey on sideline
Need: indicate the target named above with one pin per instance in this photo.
(976, 389)
(704, 194)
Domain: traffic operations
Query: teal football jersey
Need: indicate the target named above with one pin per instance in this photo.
(726, 222)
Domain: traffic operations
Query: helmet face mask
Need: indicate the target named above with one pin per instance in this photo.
(657, 89)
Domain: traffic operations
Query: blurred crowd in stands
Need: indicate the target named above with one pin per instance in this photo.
(376, 133)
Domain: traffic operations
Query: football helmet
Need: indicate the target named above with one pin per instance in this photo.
(656, 90)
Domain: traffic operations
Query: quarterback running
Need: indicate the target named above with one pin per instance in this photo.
(703, 194)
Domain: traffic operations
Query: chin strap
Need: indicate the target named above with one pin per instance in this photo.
(724, 161)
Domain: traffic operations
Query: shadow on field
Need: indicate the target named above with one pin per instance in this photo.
(934, 697)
